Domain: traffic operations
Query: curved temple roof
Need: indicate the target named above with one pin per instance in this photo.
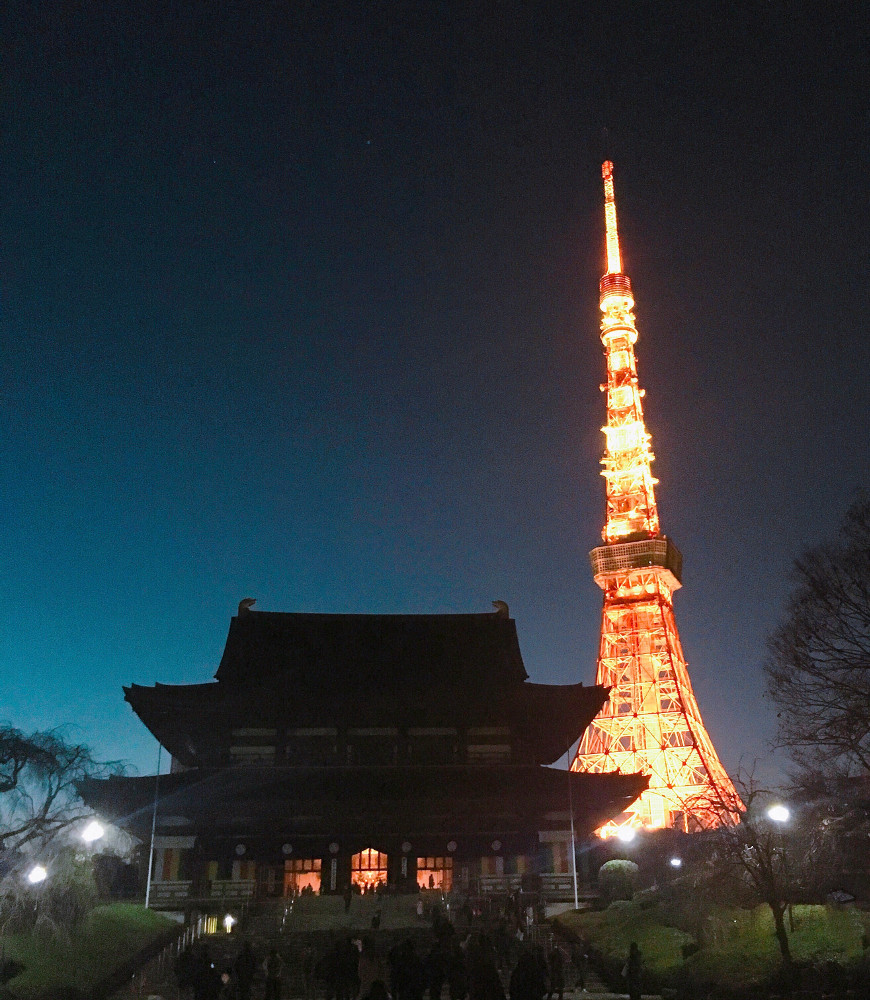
(294, 670)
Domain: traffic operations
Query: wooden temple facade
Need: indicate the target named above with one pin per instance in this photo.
(389, 751)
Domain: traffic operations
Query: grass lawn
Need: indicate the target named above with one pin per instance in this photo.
(109, 936)
(740, 947)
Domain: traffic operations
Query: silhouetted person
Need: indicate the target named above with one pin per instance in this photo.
(273, 967)
(457, 974)
(527, 981)
(556, 972)
(633, 970)
(308, 962)
(483, 978)
(244, 968)
(346, 970)
(184, 971)
(580, 961)
(409, 978)
(370, 968)
(206, 978)
(435, 971)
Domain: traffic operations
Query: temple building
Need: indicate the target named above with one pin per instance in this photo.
(371, 750)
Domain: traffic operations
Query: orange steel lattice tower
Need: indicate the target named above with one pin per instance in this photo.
(651, 723)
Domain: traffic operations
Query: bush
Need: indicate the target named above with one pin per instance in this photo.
(738, 954)
(617, 879)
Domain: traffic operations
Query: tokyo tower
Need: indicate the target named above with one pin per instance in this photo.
(651, 723)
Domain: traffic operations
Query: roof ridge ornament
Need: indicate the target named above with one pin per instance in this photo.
(501, 609)
(245, 604)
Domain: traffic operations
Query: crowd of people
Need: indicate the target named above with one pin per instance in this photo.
(473, 968)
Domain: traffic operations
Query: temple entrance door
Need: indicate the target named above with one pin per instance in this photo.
(368, 869)
(435, 873)
(301, 875)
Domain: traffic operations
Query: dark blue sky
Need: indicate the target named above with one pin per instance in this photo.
(299, 301)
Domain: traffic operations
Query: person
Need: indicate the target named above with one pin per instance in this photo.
(408, 977)
(484, 982)
(436, 971)
(346, 969)
(206, 978)
(457, 977)
(580, 961)
(228, 988)
(348, 896)
(556, 972)
(308, 963)
(527, 980)
(184, 971)
(376, 919)
(244, 968)
(633, 969)
(370, 969)
(273, 967)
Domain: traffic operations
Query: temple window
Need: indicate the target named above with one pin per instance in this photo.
(435, 873)
(253, 746)
(302, 875)
(311, 747)
(433, 745)
(488, 745)
(368, 869)
(372, 746)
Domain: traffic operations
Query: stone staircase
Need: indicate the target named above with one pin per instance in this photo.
(319, 921)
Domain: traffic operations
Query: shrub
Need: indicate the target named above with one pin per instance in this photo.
(617, 879)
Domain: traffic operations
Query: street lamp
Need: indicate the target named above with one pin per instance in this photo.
(229, 920)
(92, 832)
(36, 875)
(676, 862)
(780, 814)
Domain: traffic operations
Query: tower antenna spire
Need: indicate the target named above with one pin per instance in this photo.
(614, 258)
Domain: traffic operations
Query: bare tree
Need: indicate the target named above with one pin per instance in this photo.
(818, 668)
(38, 777)
(759, 860)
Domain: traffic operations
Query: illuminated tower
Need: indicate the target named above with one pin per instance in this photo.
(652, 722)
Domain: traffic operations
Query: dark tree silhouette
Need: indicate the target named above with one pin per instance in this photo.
(818, 668)
(38, 777)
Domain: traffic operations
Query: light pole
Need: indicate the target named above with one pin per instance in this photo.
(780, 815)
(153, 826)
(573, 842)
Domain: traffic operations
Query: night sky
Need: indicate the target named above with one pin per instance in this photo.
(299, 301)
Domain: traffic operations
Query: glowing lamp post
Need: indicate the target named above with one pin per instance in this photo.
(36, 875)
(229, 921)
(780, 815)
(92, 832)
(676, 862)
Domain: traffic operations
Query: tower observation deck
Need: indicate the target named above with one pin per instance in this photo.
(652, 723)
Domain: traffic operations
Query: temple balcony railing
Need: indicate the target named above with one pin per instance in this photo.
(233, 890)
(163, 893)
(553, 885)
